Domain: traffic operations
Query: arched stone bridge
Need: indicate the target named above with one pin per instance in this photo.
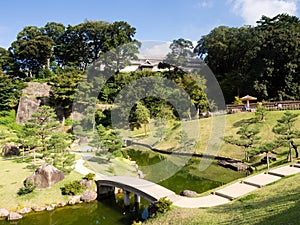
(139, 187)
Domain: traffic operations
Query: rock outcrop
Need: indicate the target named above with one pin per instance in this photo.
(45, 176)
(34, 95)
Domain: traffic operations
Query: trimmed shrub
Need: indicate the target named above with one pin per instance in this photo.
(163, 205)
(72, 188)
(90, 176)
(28, 187)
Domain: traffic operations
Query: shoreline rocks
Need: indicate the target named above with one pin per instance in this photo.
(4, 212)
(14, 216)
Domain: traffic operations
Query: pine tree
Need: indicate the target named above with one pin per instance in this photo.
(286, 132)
(247, 138)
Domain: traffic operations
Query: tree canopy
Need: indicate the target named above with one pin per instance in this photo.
(261, 61)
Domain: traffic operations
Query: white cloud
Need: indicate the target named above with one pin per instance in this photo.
(205, 4)
(155, 48)
(252, 10)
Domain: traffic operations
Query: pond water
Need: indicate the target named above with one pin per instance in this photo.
(111, 211)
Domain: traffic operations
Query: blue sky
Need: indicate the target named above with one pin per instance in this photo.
(161, 20)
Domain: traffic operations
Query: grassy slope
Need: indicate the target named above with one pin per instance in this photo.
(11, 179)
(231, 127)
(278, 203)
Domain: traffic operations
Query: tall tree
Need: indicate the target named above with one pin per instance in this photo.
(142, 115)
(10, 92)
(63, 88)
(32, 50)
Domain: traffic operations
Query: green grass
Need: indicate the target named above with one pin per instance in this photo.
(278, 203)
(115, 166)
(231, 127)
(12, 176)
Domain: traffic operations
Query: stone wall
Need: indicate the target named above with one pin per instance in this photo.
(34, 95)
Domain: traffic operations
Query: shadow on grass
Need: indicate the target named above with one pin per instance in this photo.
(278, 209)
(99, 160)
(244, 121)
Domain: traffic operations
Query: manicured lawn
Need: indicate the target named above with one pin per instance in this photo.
(231, 123)
(114, 166)
(11, 179)
(277, 203)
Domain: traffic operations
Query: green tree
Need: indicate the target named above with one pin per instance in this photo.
(261, 112)
(10, 92)
(109, 139)
(32, 50)
(7, 63)
(181, 52)
(277, 61)
(247, 139)
(63, 88)
(142, 115)
(41, 133)
(185, 140)
(286, 132)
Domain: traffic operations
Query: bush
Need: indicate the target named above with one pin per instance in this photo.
(90, 176)
(72, 188)
(163, 205)
(28, 187)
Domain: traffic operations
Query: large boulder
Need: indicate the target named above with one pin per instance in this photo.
(188, 193)
(10, 150)
(45, 176)
(89, 196)
(14, 216)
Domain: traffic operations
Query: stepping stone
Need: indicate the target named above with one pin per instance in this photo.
(297, 165)
(261, 180)
(235, 190)
(284, 171)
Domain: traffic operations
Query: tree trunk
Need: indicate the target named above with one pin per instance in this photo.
(34, 157)
(268, 162)
(295, 148)
(290, 154)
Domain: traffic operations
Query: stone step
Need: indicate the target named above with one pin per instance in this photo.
(252, 184)
(275, 174)
(284, 171)
(261, 180)
(235, 190)
(296, 165)
(223, 195)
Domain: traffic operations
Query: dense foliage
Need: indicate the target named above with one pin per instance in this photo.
(262, 61)
(72, 188)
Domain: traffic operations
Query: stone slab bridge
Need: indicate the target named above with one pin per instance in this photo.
(152, 192)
